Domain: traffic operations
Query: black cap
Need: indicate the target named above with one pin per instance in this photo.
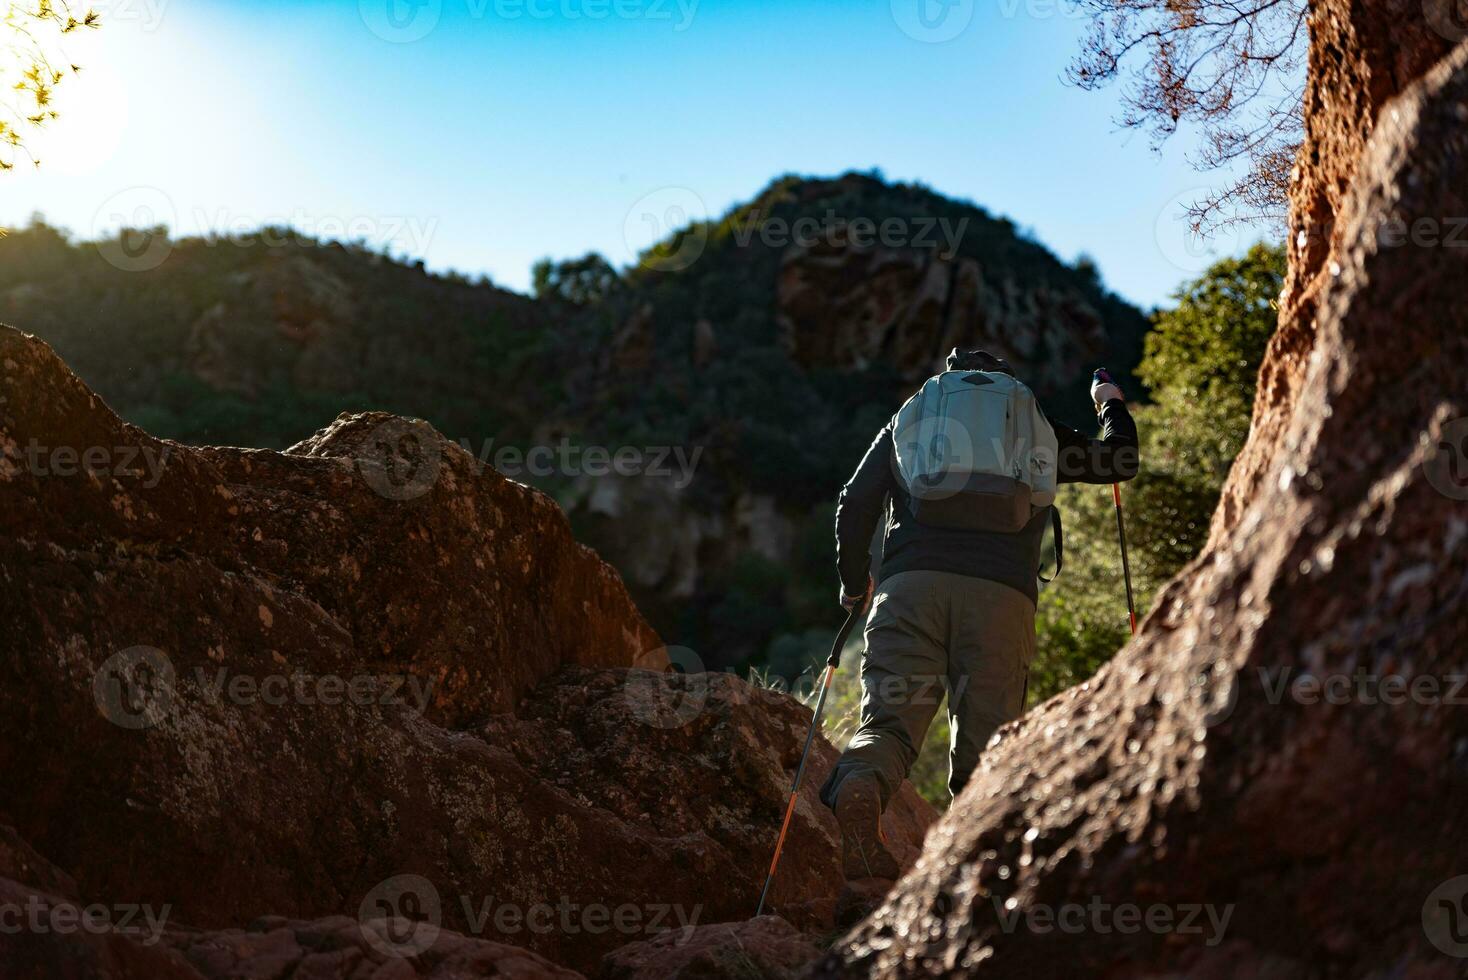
(978, 360)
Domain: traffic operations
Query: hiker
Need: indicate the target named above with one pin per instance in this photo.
(955, 611)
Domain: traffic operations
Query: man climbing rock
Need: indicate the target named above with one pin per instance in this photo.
(965, 474)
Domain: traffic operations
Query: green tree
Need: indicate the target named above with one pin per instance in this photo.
(1201, 366)
(580, 282)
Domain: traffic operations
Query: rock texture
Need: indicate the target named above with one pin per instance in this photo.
(1362, 55)
(848, 307)
(704, 759)
(48, 933)
(767, 947)
(1203, 768)
(360, 678)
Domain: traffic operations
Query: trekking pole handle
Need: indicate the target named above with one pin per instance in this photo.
(857, 612)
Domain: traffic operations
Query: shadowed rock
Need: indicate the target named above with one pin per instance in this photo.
(362, 678)
(767, 947)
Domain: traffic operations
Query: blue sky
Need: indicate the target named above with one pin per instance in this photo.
(481, 135)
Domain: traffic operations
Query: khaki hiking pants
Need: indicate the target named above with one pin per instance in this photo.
(931, 633)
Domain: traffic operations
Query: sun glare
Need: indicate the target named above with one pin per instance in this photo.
(38, 65)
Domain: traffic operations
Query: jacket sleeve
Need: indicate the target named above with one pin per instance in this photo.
(859, 508)
(1113, 457)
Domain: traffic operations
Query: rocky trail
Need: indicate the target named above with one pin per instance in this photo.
(362, 708)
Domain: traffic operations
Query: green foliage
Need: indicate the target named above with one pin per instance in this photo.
(1214, 339)
(579, 282)
(1201, 365)
(235, 341)
(749, 608)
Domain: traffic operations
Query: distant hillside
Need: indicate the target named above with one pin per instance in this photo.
(259, 346)
(766, 347)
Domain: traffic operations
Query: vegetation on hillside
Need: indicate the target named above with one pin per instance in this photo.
(1201, 366)
(262, 340)
(229, 343)
(768, 424)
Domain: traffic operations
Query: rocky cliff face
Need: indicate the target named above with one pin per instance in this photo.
(363, 678)
(1273, 777)
(849, 307)
(800, 323)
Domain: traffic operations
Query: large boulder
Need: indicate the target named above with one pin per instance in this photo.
(705, 759)
(1272, 779)
(364, 677)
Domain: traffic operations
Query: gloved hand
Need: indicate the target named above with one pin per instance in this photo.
(1103, 389)
(850, 602)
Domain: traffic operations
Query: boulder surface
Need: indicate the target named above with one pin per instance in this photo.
(364, 677)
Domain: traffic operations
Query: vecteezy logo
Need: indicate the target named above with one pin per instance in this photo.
(402, 916)
(667, 687)
(1447, 468)
(936, 454)
(401, 459)
(131, 228)
(401, 21)
(134, 687)
(667, 230)
(932, 21)
(1445, 916)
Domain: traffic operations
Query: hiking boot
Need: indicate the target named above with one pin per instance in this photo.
(859, 812)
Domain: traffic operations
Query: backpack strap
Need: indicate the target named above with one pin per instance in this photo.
(1059, 545)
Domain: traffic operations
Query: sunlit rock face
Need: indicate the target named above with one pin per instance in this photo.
(1271, 780)
(1361, 57)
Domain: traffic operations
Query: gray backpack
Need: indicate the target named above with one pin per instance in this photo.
(974, 452)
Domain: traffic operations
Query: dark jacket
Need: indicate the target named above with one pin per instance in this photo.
(1013, 559)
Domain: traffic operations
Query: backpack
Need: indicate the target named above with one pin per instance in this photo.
(974, 452)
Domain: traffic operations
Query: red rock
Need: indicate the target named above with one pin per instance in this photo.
(540, 773)
(49, 936)
(766, 947)
(1362, 55)
(860, 898)
(22, 864)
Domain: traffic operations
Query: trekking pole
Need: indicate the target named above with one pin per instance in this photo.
(832, 662)
(1126, 569)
